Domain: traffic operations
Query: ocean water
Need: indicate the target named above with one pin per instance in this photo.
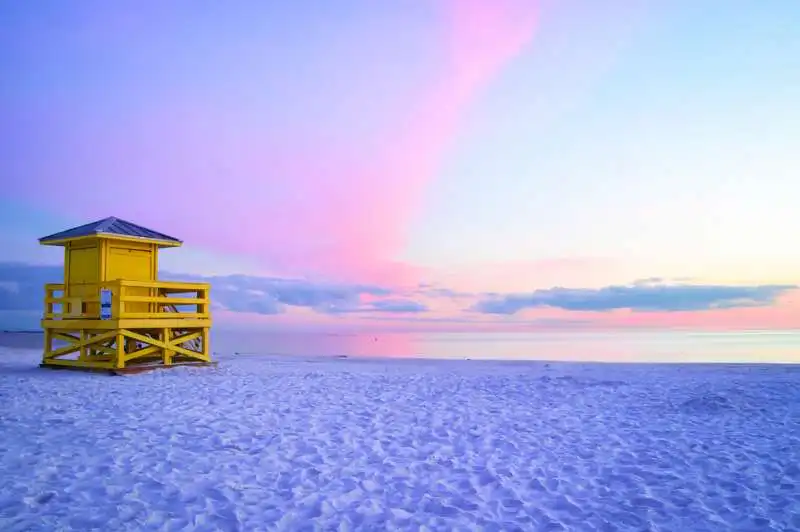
(617, 346)
(669, 346)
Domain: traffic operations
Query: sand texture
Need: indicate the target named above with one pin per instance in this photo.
(263, 443)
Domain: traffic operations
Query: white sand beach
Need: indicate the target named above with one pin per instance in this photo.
(279, 443)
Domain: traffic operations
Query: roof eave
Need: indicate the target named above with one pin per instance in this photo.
(50, 241)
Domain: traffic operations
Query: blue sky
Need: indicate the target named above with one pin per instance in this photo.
(508, 147)
(682, 144)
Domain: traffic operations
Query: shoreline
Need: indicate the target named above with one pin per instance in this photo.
(31, 340)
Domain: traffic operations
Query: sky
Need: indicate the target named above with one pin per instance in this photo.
(439, 164)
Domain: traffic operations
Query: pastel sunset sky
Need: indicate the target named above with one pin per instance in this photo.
(423, 164)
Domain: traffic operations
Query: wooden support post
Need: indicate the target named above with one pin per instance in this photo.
(165, 337)
(117, 307)
(48, 343)
(205, 343)
(202, 308)
(48, 304)
(119, 362)
(83, 351)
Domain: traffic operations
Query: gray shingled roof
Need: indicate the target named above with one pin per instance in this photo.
(110, 226)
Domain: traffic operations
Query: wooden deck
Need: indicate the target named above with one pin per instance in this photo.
(123, 324)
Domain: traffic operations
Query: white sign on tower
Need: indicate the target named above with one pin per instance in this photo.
(105, 304)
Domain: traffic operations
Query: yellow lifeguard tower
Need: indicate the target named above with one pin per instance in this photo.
(111, 312)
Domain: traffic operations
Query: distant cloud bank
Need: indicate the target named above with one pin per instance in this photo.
(21, 290)
(642, 296)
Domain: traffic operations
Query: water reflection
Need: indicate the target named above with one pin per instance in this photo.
(606, 347)
(314, 344)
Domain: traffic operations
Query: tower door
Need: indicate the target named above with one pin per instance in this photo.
(132, 265)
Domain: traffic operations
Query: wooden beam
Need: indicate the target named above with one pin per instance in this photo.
(163, 345)
(165, 300)
(142, 352)
(64, 336)
(173, 321)
(166, 285)
(81, 343)
(160, 315)
(77, 363)
(178, 340)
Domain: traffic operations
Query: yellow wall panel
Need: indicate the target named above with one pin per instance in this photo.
(83, 274)
(130, 264)
(84, 265)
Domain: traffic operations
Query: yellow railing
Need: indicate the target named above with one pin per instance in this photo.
(129, 300)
